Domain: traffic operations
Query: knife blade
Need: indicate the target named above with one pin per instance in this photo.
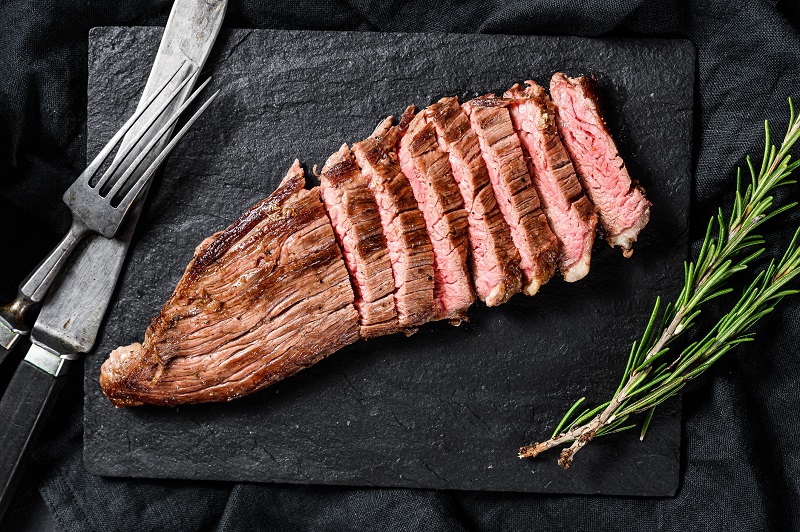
(71, 316)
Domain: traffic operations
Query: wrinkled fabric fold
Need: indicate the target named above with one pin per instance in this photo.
(742, 428)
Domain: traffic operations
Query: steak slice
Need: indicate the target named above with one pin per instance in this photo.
(516, 196)
(493, 259)
(259, 301)
(428, 170)
(623, 208)
(357, 225)
(570, 213)
(410, 250)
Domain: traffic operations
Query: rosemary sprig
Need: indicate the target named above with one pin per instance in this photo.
(653, 374)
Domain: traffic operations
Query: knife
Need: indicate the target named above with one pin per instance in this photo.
(70, 317)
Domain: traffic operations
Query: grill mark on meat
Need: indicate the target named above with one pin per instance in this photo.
(410, 249)
(259, 212)
(569, 212)
(342, 171)
(428, 171)
(216, 339)
(494, 260)
(516, 196)
(353, 211)
(621, 203)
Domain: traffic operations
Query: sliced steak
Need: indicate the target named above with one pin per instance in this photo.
(513, 187)
(410, 249)
(261, 300)
(428, 170)
(356, 222)
(494, 260)
(623, 208)
(570, 213)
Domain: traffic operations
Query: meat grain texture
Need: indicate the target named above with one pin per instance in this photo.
(406, 227)
(428, 171)
(244, 312)
(513, 186)
(410, 249)
(356, 222)
(569, 212)
(623, 208)
(493, 258)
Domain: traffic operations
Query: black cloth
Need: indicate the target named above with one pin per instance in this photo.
(740, 464)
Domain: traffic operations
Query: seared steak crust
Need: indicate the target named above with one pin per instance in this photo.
(248, 311)
(410, 249)
(406, 227)
(623, 208)
(570, 213)
(513, 187)
(494, 260)
(356, 222)
(428, 170)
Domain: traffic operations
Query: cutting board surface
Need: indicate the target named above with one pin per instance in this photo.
(449, 406)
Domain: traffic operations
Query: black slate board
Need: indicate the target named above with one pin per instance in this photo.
(448, 407)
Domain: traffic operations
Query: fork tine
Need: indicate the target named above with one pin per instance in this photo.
(140, 184)
(123, 179)
(95, 165)
(142, 132)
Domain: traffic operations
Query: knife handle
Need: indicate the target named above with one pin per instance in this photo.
(24, 409)
(3, 356)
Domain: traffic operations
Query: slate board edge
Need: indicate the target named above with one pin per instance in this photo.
(91, 465)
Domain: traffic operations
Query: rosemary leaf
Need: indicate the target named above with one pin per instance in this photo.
(646, 423)
(567, 416)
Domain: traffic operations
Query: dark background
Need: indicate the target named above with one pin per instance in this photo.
(742, 424)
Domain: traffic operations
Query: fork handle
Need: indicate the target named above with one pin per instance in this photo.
(35, 286)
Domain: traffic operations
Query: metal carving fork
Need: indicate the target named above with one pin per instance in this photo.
(100, 206)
